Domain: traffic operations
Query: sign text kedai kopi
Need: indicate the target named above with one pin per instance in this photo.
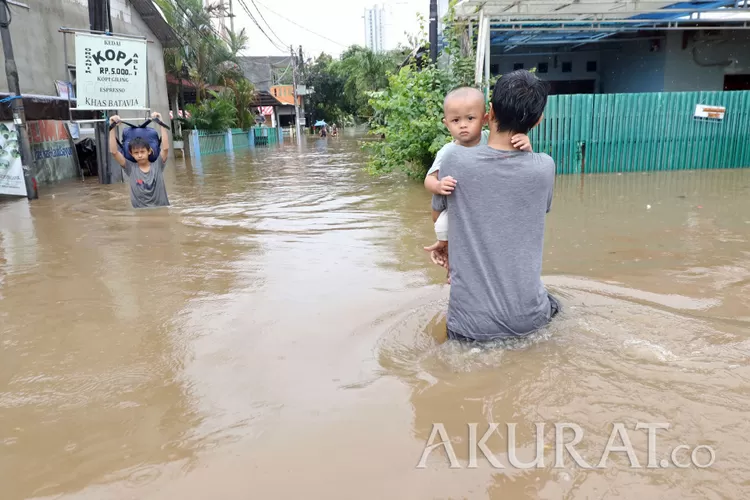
(111, 72)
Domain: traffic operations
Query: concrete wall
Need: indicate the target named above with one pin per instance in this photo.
(39, 53)
(632, 67)
(683, 70)
(658, 64)
(554, 64)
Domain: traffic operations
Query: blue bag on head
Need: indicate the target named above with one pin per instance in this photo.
(150, 135)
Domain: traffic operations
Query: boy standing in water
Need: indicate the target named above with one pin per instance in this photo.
(147, 188)
(464, 114)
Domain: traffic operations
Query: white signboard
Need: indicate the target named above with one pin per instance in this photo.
(11, 168)
(110, 72)
(711, 112)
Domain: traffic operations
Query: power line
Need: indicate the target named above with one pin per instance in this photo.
(247, 10)
(300, 26)
(266, 22)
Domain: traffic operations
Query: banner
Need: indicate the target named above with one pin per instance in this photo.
(65, 90)
(11, 168)
(53, 154)
(110, 72)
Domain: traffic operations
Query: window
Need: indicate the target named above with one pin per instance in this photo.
(542, 67)
(494, 69)
(591, 66)
(517, 66)
(567, 67)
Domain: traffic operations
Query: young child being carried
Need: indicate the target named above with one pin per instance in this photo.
(465, 114)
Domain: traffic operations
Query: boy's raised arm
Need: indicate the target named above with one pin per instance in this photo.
(119, 158)
(164, 139)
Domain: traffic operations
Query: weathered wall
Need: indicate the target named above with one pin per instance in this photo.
(684, 71)
(658, 64)
(632, 67)
(40, 56)
(578, 60)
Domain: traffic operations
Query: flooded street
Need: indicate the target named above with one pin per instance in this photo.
(278, 334)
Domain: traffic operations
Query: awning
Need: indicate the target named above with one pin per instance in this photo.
(45, 107)
(264, 98)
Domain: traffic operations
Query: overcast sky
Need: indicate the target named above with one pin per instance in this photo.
(340, 20)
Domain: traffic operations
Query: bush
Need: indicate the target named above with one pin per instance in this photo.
(408, 114)
(216, 114)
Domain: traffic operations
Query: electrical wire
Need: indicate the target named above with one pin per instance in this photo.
(247, 10)
(266, 22)
(300, 26)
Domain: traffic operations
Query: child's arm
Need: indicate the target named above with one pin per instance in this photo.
(444, 186)
(522, 142)
(164, 140)
(119, 158)
(434, 185)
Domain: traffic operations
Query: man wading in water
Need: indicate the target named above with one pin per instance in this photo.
(496, 222)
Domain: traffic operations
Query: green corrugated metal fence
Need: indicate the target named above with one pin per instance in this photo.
(265, 136)
(240, 139)
(644, 132)
(212, 142)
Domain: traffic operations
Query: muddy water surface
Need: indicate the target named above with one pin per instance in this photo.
(278, 333)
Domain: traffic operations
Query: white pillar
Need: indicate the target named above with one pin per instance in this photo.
(488, 50)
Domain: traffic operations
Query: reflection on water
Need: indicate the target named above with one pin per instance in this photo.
(280, 333)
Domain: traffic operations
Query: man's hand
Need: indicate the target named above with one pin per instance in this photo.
(114, 119)
(439, 253)
(156, 115)
(447, 185)
(522, 142)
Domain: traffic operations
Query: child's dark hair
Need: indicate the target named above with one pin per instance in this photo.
(138, 143)
(518, 101)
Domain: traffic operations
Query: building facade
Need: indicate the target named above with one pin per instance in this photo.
(672, 61)
(375, 28)
(39, 51)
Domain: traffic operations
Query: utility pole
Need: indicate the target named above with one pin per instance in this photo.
(231, 16)
(19, 114)
(296, 98)
(433, 31)
(99, 21)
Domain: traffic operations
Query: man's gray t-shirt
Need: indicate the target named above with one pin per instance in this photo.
(497, 216)
(147, 189)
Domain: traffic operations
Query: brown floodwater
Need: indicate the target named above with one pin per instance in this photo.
(279, 333)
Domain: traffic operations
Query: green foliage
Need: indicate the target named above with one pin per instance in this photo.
(243, 93)
(408, 114)
(343, 86)
(216, 114)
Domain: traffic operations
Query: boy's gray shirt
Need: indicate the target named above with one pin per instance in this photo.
(147, 189)
(497, 217)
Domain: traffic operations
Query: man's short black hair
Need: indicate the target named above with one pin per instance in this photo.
(518, 101)
(138, 143)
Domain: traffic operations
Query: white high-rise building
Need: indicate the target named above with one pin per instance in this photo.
(375, 22)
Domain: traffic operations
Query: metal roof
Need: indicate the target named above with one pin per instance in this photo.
(552, 22)
(264, 98)
(155, 21)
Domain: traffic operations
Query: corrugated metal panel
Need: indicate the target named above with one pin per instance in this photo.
(644, 132)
